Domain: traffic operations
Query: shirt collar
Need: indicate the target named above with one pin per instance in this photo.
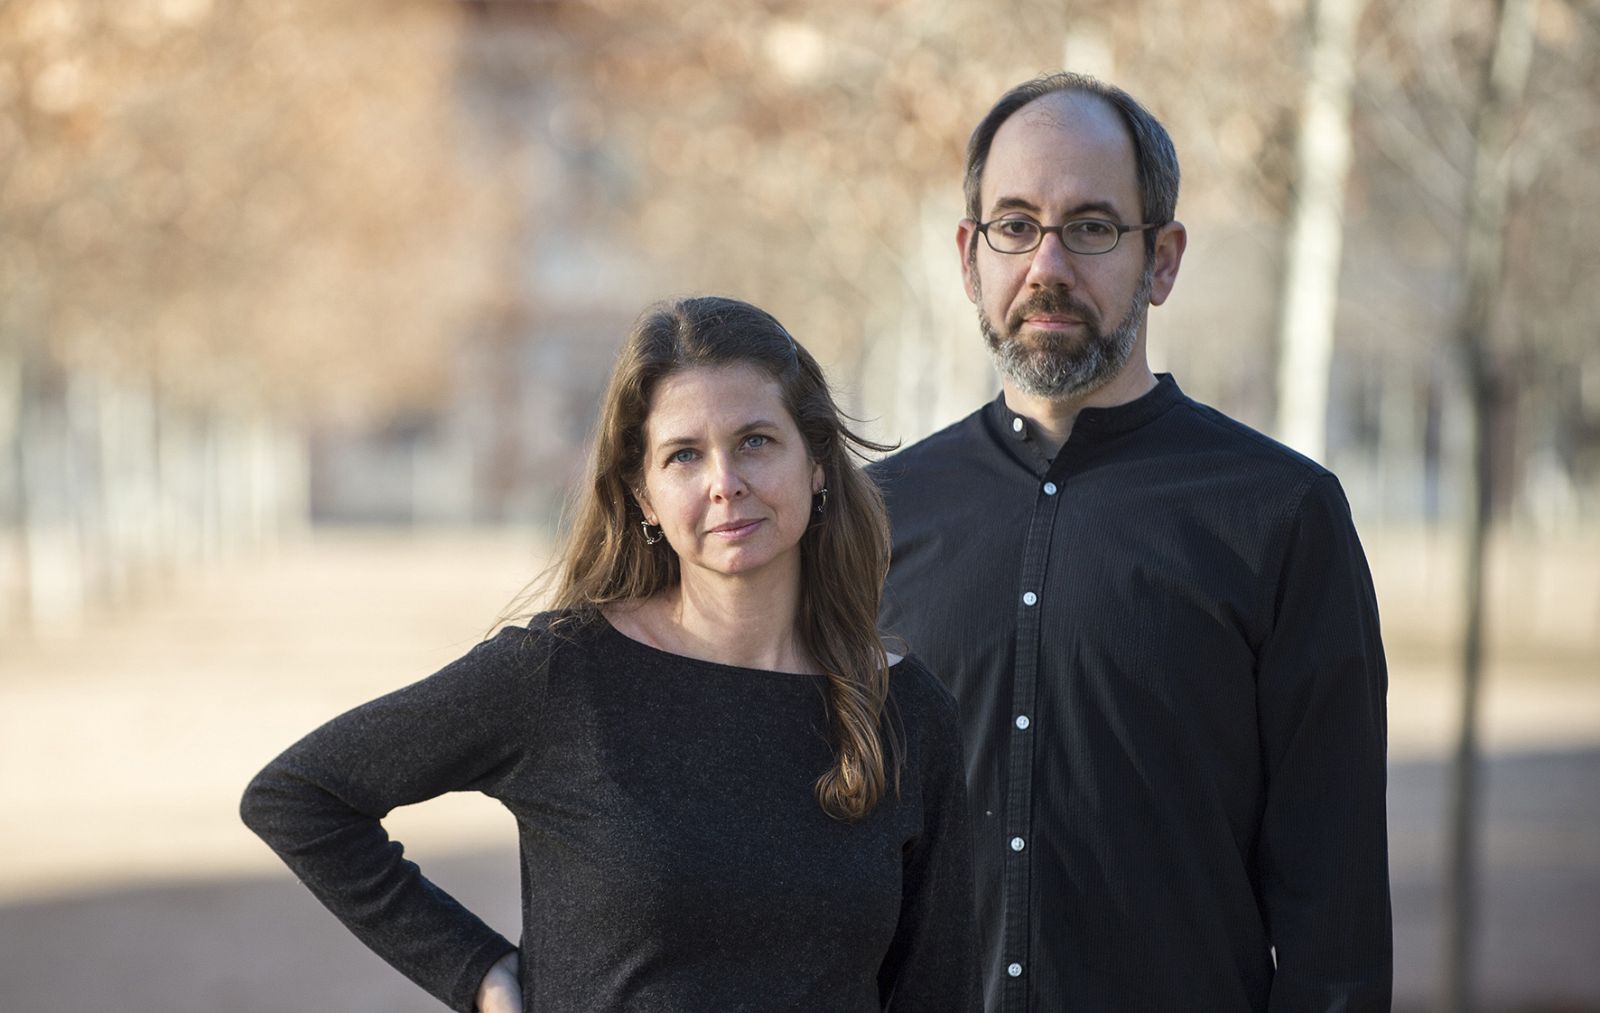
(1092, 424)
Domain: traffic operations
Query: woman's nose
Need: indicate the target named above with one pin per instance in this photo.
(726, 482)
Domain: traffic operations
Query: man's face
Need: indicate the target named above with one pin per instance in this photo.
(1054, 363)
(1060, 324)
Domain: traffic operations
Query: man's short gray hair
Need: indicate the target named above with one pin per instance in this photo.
(1154, 156)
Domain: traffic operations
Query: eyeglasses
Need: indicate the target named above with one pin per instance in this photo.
(1092, 236)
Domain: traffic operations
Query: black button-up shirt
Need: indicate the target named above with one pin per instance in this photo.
(1165, 645)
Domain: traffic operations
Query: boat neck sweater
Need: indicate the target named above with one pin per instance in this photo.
(674, 856)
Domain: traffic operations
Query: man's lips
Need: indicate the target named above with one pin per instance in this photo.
(1051, 320)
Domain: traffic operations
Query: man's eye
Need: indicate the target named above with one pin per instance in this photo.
(1091, 228)
(1016, 228)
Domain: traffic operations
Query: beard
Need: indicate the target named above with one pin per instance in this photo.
(1056, 366)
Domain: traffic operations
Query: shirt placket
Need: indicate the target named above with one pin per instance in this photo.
(1024, 728)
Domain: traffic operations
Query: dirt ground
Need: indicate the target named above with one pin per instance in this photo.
(128, 883)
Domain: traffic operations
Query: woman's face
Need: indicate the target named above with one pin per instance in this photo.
(726, 473)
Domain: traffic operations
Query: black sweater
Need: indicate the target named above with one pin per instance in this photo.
(674, 857)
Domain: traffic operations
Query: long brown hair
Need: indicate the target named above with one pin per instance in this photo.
(604, 560)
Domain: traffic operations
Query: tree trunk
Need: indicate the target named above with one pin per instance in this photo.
(51, 482)
(128, 433)
(1504, 82)
(13, 554)
(1316, 230)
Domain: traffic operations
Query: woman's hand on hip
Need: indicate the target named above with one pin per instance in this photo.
(500, 991)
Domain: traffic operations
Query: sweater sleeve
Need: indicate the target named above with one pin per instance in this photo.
(1323, 851)
(932, 962)
(318, 805)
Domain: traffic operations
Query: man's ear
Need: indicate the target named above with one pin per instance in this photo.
(966, 235)
(1171, 241)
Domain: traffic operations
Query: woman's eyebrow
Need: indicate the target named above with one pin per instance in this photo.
(684, 441)
(757, 424)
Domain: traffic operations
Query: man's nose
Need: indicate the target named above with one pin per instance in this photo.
(1052, 263)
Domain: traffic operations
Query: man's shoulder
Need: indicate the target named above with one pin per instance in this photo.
(1210, 430)
(932, 452)
(1252, 471)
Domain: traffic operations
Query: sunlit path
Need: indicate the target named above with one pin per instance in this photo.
(123, 751)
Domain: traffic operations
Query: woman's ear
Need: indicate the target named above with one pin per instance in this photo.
(819, 478)
(643, 499)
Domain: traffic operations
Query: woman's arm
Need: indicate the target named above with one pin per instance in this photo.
(318, 805)
(932, 963)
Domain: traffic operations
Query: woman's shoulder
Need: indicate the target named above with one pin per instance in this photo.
(542, 636)
(914, 686)
(929, 721)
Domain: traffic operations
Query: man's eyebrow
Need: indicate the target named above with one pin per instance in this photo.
(1094, 206)
(1004, 204)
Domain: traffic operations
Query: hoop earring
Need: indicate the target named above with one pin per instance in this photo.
(646, 526)
(820, 507)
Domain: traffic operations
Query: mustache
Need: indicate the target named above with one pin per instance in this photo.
(1049, 301)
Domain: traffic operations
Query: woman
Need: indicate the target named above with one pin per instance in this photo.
(729, 795)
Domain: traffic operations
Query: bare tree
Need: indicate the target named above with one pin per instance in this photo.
(216, 223)
(1309, 300)
(1504, 81)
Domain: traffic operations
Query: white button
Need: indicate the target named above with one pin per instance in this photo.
(1015, 970)
(1016, 844)
(1022, 721)
(1049, 488)
(1029, 598)
(1016, 425)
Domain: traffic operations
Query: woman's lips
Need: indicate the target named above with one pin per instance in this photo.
(736, 529)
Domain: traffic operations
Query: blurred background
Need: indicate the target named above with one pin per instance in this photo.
(305, 310)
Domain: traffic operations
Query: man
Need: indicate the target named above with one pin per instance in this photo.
(1158, 622)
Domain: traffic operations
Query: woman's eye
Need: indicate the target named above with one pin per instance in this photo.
(757, 440)
(681, 457)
